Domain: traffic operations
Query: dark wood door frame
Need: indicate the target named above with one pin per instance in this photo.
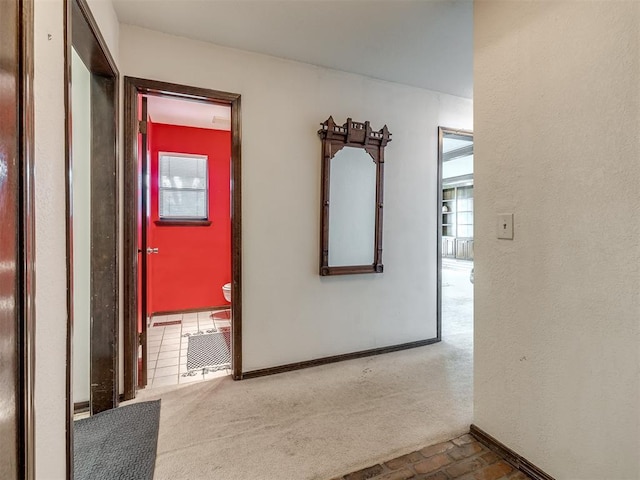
(17, 246)
(144, 227)
(133, 87)
(82, 33)
(442, 131)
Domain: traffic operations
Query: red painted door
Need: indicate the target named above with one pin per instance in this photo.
(190, 260)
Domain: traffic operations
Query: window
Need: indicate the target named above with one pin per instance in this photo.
(182, 187)
(465, 212)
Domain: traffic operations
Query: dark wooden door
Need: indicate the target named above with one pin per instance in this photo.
(9, 252)
(14, 380)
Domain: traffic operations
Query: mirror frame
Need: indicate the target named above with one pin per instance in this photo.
(335, 138)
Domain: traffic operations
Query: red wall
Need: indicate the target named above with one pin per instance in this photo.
(193, 262)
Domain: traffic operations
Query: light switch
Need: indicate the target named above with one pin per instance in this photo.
(505, 225)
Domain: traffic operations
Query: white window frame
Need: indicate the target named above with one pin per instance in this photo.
(171, 218)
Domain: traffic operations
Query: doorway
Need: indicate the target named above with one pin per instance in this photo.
(92, 214)
(455, 231)
(92, 191)
(182, 234)
(187, 241)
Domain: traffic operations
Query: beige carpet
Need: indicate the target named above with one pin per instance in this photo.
(324, 421)
(315, 423)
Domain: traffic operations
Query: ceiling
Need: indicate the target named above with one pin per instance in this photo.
(423, 43)
(189, 113)
(449, 144)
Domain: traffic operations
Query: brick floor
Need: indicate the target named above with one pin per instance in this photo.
(462, 458)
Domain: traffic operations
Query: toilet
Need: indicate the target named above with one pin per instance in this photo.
(224, 314)
(226, 291)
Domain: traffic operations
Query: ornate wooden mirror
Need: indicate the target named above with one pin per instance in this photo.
(352, 197)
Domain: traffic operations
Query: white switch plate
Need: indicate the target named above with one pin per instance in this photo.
(505, 225)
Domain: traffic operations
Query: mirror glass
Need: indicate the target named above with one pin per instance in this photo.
(352, 218)
(352, 197)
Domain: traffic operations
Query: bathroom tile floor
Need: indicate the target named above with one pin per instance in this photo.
(167, 347)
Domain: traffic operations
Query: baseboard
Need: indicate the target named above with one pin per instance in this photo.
(519, 462)
(190, 310)
(80, 407)
(336, 358)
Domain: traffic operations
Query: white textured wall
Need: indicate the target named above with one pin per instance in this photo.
(290, 313)
(51, 292)
(51, 310)
(81, 214)
(107, 20)
(557, 309)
